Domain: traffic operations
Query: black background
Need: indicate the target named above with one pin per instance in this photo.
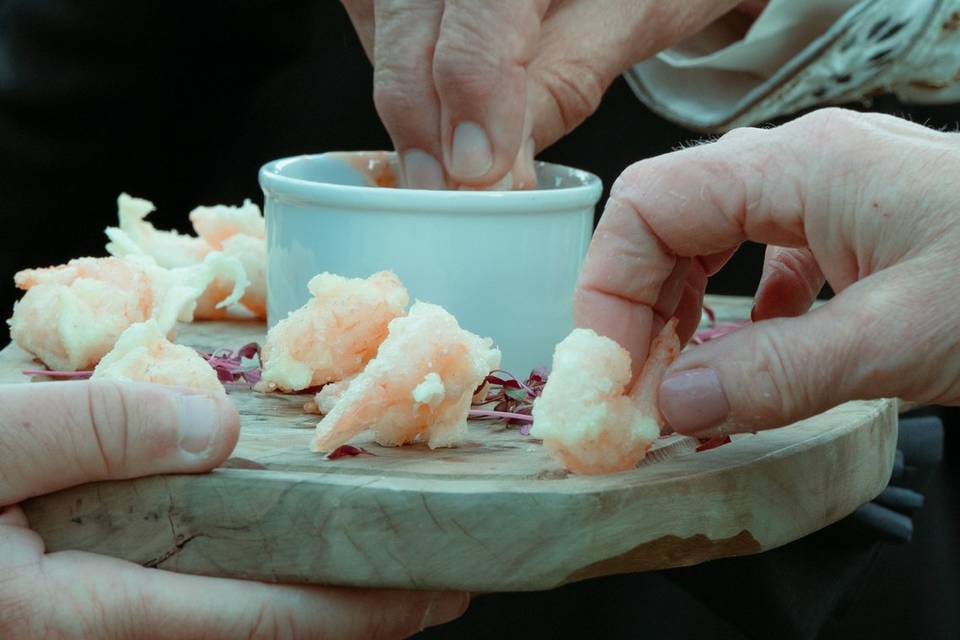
(182, 102)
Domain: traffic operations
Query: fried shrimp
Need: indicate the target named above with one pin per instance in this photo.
(418, 388)
(586, 416)
(143, 354)
(334, 334)
(72, 314)
(237, 232)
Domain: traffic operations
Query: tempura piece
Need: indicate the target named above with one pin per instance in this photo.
(136, 236)
(143, 354)
(327, 398)
(418, 388)
(252, 254)
(335, 334)
(218, 223)
(585, 416)
(238, 232)
(72, 314)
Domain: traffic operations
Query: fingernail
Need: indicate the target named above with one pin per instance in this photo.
(443, 609)
(693, 400)
(753, 313)
(470, 154)
(199, 420)
(422, 171)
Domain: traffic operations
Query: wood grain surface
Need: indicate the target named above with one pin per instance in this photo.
(496, 514)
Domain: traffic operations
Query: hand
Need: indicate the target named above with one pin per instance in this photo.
(469, 90)
(58, 434)
(867, 200)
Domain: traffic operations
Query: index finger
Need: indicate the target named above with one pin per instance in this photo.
(701, 202)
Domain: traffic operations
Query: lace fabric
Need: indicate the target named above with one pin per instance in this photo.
(908, 47)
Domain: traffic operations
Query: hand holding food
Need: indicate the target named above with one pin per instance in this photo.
(864, 200)
(60, 434)
(470, 90)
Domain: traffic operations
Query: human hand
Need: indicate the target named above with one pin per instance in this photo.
(865, 199)
(59, 434)
(469, 91)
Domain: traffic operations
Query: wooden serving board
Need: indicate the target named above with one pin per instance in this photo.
(496, 514)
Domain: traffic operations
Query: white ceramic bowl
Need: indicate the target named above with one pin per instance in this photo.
(503, 262)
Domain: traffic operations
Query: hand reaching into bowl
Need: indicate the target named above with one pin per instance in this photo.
(469, 91)
(59, 434)
(866, 200)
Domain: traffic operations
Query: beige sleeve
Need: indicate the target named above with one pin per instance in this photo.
(805, 53)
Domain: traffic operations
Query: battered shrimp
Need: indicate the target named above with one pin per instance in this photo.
(72, 314)
(218, 223)
(326, 399)
(252, 254)
(419, 387)
(238, 232)
(137, 236)
(143, 354)
(586, 417)
(335, 334)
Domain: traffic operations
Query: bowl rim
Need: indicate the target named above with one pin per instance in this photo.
(297, 190)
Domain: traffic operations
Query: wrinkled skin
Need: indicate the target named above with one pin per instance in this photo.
(865, 201)
(526, 72)
(55, 435)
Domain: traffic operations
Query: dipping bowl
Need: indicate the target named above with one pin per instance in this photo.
(505, 263)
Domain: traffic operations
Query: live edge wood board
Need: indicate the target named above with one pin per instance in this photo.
(497, 514)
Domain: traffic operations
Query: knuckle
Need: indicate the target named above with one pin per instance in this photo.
(460, 67)
(828, 126)
(576, 88)
(393, 93)
(107, 414)
(781, 393)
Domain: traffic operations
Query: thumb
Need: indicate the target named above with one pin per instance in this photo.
(59, 434)
(777, 371)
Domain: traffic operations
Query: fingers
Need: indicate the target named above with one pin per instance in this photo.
(403, 90)
(774, 372)
(59, 434)
(479, 70)
(101, 597)
(856, 218)
(701, 201)
(585, 46)
(362, 16)
(789, 284)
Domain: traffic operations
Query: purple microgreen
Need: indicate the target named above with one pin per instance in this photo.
(706, 335)
(504, 415)
(249, 350)
(347, 450)
(505, 398)
(712, 443)
(513, 382)
(517, 394)
(229, 364)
